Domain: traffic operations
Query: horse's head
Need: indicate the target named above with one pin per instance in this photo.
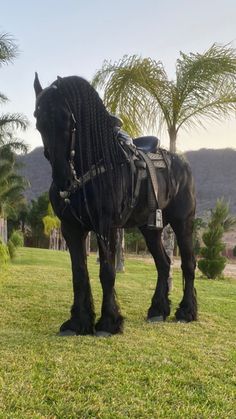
(54, 121)
(78, 137)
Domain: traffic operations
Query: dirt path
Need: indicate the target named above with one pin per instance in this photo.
(230, 269)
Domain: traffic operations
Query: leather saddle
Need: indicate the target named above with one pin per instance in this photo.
(148, 144)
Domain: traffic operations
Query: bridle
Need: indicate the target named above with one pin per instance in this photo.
(78, 181)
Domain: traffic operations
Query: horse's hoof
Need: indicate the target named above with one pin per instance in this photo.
(182, 321)
(102, 334)
(67, 332)
(155, 319)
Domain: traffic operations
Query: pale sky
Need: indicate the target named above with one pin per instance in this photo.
(73, 37)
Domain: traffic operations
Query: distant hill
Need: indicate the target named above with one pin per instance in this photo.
(36, 169)
(214, 172)
(215, 176)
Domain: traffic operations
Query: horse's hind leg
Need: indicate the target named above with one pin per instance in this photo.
(160, 306)
(82, 311)
(187, 310)
(111, 321)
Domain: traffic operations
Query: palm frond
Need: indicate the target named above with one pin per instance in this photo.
(206, 84)
(204, 88)
(16, 144)
(6, 153)
(3, 98)
(5, 168)
(8, 48)
(13, 121)
(13, 193)
(130, 86)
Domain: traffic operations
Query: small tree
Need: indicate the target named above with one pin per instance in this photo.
(52, 226)
(213, 263)
(38, 210)
(198, 225)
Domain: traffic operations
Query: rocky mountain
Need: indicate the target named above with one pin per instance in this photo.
(214, 172)
(215, 176)
(36, 169)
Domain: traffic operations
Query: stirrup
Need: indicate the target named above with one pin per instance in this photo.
(155, 220)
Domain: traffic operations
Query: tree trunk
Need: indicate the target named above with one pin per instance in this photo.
(88, 243)
(169, 238)
(120, 266)
(172, 137)
(3, 230)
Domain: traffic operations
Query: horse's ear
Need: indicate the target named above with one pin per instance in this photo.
(37, 86)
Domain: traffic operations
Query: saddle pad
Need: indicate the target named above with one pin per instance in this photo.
(157, 160)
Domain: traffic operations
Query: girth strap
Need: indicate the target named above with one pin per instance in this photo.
(155, 217)
(140, 174)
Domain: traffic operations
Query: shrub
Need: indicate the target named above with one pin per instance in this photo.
(17, 238)
(11, 249)
(213, 263)
(4, 254)
(212, 268)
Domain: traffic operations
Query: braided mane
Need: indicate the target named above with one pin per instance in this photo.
(95, 144)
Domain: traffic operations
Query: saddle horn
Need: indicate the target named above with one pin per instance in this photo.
(37, 86)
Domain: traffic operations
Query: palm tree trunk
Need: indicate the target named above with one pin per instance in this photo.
(172, 137)
(168, 236)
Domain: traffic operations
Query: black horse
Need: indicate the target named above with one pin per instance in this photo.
(99, 184)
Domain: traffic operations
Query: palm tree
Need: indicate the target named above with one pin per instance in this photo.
(9, 122)
(11, 188)
(8, 48)
(11, 184)
(204, 88)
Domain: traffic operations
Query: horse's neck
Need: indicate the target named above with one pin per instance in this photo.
(86, 157)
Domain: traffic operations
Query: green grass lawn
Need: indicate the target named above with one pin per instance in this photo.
(169, 370)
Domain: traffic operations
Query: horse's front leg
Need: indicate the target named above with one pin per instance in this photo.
(111, 321)
(82, 317)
